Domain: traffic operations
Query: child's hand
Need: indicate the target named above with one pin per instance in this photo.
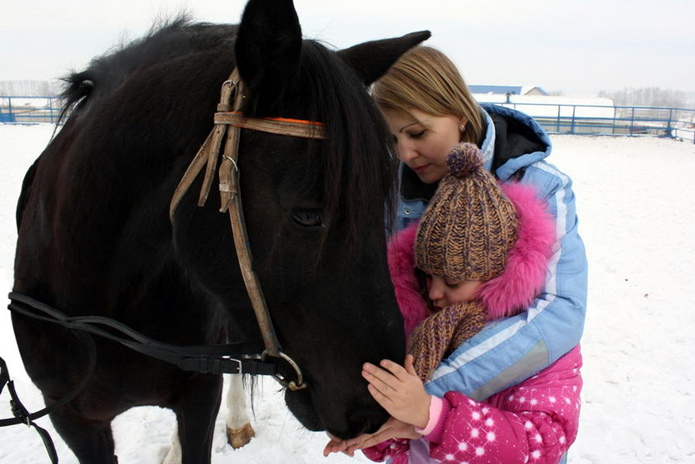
(399, 390)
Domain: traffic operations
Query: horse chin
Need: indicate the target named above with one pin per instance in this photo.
(351, 423)
(301, 406)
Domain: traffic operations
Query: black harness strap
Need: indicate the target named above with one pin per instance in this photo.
(207, 359)
(23, 416)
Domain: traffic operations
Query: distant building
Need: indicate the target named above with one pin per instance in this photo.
(507, 89)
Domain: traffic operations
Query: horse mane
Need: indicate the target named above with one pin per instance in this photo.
(166, 39)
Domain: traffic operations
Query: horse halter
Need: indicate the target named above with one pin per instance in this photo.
(229, 120)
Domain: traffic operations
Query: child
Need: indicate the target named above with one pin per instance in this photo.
(483, 250)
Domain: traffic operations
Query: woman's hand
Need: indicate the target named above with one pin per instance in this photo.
(393, 428)
(336, 445)
(399, 390)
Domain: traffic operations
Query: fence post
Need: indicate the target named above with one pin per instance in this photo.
(669, 128)
(557, 122)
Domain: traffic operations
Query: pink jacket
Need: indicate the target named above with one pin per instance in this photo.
(535, 421)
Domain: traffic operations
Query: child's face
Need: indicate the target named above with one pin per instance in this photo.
(444, 293)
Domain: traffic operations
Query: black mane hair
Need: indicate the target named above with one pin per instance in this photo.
(323, 91)
(167, 39)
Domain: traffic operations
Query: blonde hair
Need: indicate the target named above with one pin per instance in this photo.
(427, 80)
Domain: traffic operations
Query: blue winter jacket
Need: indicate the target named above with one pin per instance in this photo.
(510, 350)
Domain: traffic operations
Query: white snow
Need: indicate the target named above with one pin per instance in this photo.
(635, 202)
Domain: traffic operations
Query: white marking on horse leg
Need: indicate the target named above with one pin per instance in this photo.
(239, 430)
(174, 455)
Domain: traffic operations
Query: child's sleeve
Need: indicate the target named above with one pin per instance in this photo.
(386, 450)
(535, 421)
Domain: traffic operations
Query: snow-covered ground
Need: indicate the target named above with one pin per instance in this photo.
(635, 200)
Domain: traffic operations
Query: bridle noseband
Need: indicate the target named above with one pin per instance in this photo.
(229, 120)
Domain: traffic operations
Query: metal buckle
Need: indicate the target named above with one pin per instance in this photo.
(239, 364)
(293, 385)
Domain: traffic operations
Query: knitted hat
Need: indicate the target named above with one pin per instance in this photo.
(469, 226)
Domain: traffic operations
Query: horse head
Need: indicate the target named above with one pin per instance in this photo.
(316, 214)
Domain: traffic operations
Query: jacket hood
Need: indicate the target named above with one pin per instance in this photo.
(505, 295)
(519, 140)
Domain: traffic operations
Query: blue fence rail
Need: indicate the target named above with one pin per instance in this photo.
(677, 123)
(556, 118)
(29, 110)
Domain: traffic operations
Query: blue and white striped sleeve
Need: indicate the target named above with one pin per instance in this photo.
(513, 349)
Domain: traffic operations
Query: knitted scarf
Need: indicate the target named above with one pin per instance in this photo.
(438, 335)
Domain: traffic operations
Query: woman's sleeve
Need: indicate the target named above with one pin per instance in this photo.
(511, 350)
(535, 421)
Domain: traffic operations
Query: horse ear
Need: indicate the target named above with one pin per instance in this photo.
(268, 44)
(372, 59)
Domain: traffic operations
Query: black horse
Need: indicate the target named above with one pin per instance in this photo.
(95, 237)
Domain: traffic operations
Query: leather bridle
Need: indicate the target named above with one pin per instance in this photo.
(229, 120)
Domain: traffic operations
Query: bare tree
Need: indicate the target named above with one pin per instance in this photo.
(647, 96)
(30, 88)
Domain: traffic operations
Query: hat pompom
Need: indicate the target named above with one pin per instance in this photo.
(464, 159)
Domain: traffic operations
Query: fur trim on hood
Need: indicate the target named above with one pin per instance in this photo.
(507, 294)
(401, 259)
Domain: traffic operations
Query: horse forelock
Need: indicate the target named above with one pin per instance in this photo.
(354, 164)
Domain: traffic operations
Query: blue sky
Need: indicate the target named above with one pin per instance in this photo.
(575, 46)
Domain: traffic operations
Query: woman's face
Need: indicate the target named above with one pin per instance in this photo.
(424, 141)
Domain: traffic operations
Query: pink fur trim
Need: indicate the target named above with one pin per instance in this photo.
(527, 265)
(401, 259)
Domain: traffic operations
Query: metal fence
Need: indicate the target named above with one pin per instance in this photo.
(30, 110)
(677, 123)
(556, 118)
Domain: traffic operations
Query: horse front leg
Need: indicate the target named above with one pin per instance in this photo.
(239, 429)
(90, 440)
(196, 411)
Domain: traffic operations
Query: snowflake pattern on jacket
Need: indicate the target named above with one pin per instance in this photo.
(535, 422)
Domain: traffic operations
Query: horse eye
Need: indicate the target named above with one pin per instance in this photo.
(308, 217)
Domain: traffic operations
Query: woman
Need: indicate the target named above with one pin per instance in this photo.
(429, 110)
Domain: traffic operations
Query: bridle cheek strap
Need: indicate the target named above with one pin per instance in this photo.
(225, 134)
